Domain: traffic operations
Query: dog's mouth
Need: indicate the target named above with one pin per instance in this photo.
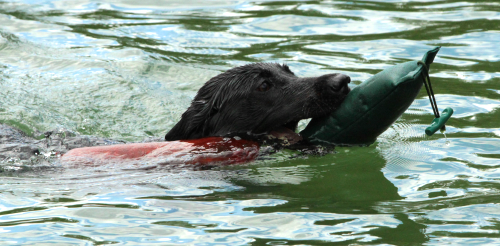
(286, 134)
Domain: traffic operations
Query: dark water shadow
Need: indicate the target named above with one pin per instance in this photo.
(349, 181)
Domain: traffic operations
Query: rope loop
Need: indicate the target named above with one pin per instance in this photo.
(428, 88)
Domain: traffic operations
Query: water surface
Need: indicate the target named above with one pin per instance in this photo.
(126, 69)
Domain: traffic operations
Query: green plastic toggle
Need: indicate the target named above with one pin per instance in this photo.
(438, 123)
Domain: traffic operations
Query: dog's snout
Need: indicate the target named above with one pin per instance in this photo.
(337, 82)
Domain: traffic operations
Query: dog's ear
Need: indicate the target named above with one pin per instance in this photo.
(204, 117)
(193, 123)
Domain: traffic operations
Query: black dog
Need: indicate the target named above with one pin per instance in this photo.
(252, 100)
(257, 99)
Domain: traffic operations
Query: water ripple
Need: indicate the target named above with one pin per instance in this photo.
(127, 69)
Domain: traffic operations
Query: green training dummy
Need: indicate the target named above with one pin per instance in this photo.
(374, 105)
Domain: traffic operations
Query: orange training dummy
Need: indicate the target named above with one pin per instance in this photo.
(211, 150)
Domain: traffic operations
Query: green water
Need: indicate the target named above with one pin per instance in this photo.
(126, 69)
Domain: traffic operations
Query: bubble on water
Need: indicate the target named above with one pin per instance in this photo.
(446, 140)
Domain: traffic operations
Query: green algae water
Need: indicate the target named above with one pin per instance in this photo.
(126, 70)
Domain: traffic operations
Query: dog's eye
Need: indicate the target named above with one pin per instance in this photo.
(265, 86)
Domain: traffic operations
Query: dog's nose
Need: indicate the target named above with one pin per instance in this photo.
(337, 81)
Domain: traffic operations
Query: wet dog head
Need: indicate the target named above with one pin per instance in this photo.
(257, 99)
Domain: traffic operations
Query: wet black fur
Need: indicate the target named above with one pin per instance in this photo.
(237, 103)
